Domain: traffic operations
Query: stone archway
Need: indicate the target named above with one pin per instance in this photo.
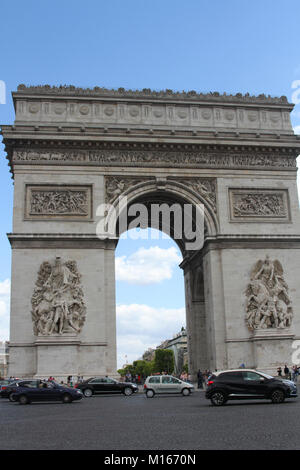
(152, 192)
(72, 150)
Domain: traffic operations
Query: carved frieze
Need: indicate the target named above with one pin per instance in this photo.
(57, 301)
(148, 158)
(259, 204)
(58, 202)
(268, 302)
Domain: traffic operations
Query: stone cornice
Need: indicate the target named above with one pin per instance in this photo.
(93, 133)
(146, 93)
(242, 242)
(60, 240)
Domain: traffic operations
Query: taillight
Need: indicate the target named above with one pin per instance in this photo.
(3, 388)
(76, 385)
(145, 386)
(210, 382)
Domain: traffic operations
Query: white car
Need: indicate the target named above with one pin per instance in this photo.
(166, 384)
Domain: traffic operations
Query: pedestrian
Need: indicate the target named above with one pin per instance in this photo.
(286, 371)
(295, 373)
(279, 372)
(200, 379)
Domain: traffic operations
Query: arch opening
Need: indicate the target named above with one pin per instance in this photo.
(193, 285)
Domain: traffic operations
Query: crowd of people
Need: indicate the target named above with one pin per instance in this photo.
(202, 378)
(289, 374)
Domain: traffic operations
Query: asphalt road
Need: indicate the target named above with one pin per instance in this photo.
(165, 422)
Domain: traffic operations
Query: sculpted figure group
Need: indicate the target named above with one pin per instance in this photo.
(57, 301)
(268, 302)
(58, 202)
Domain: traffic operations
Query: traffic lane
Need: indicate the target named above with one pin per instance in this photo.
(163, 422)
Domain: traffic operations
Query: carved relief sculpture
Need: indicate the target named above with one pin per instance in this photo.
(259, 204)
(57, 300)
(45, 201)
(116, 186)
(268, 302)
(206, 188)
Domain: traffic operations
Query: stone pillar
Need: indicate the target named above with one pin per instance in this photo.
(196, 320)
(92, 351)
(215, 313)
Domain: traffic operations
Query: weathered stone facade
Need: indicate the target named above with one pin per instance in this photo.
(71, 150)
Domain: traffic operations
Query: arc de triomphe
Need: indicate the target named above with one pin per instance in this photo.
(71, 150)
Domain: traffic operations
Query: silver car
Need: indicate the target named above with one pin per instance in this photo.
(166, 384)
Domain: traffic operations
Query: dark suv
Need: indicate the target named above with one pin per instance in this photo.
(247, 384)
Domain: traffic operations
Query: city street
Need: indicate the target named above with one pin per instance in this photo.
(162, 423)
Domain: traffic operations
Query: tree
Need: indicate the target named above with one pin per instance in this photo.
(140, 367)
(164, 360)
(185, 368)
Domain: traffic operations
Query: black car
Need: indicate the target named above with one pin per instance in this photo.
(247, 384)
(105, 385)
(13, 387)
(4, 383)
(46, 391)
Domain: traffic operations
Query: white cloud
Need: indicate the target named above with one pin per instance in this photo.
(147, 266)
(297, 129)
(5, 287)
(4, 309)
(141, 326)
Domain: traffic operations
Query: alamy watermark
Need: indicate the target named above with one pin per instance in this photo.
(2, 92)
(179, 221)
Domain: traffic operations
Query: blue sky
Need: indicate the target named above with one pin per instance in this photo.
(233, 46)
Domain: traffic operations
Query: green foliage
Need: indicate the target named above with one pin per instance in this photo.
(185, 368)
(140, 367)
(164, 361)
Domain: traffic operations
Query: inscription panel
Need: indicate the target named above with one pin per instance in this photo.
(58, 202)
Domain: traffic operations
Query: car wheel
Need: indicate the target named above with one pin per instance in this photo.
(185, 392)
(23, 400)
(218, 399)
(88, 392)
(67, 398)
(128, 391)
(277, 396)
(11, 397)
(150, 393)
